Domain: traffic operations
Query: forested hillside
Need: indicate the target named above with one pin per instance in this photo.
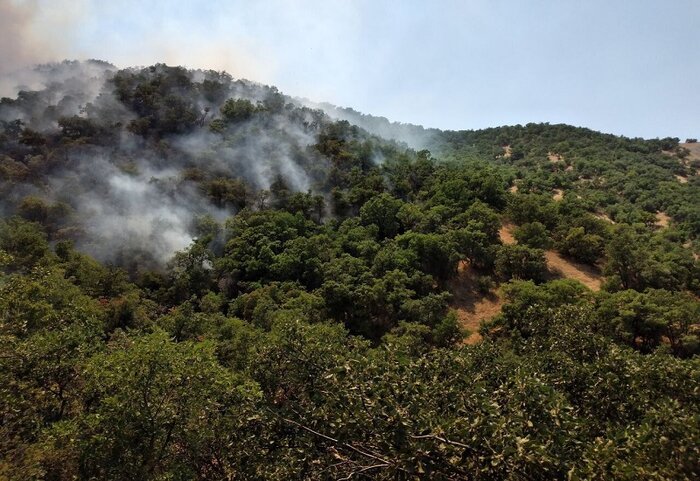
(202, 278)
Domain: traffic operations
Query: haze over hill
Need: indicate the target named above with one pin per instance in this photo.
(128, 191)
(471, 65)
(351, 240)
(203, 278)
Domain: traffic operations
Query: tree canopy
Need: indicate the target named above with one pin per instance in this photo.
(202, 278)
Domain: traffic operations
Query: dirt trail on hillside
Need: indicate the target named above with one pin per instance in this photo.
(472, 306)
(590, 277)
(560, 266)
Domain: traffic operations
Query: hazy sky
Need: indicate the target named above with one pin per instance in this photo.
(627, 67)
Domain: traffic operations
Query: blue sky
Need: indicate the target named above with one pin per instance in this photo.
(627, 67)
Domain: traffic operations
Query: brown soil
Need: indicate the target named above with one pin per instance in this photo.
(590, 277)
(507, 152)
(472, 307)
(604, 217)
(558, 195)
(561, 266)
(506, 233)
(662, 219)
(694, 149)
(681, 179)
(554, 158)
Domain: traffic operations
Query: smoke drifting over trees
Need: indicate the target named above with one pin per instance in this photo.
(124, 159)
(134, 157)
(285, 295)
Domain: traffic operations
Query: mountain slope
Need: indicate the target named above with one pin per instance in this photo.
(201, 278)
(137, 155)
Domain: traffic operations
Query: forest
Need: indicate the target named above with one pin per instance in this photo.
(203, 278)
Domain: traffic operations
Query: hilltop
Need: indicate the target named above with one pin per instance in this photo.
(204, 278)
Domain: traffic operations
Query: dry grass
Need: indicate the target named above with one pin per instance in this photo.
(603, 216)
(662, 219)
(513, 189)
(554, 158)
(694, 150)
(689, 245)
(507, 152)
(558, 195)
(682, 179)
(506, 233)
(560, 266)
(472, 307)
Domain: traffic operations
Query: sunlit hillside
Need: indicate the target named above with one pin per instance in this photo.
(204, 278)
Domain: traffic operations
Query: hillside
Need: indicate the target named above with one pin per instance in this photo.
(204, 278)
(693, 154)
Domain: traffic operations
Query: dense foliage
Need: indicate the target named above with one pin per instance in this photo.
(305, 330)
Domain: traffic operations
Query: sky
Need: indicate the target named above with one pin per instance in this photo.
(628, 67)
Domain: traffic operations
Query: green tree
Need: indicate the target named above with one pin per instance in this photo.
(25, 242)
(382, 211)
(532, 234)
(581, 246)
(521, 262)
(152, 399)
(236, 110)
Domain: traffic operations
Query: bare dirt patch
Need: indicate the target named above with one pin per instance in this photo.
(558, 195)
(506, 233)
(589, 276)
(559, 265)
(554, 158)
(662, 219)
(682, 179)
(513, 189)
(472, 307)
(603, 216)
(693, 149)
(507, 152)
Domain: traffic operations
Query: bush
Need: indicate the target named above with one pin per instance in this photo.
(532, 234)
(484, 284)
(237, 110)
(521, 262)
(587, 248)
